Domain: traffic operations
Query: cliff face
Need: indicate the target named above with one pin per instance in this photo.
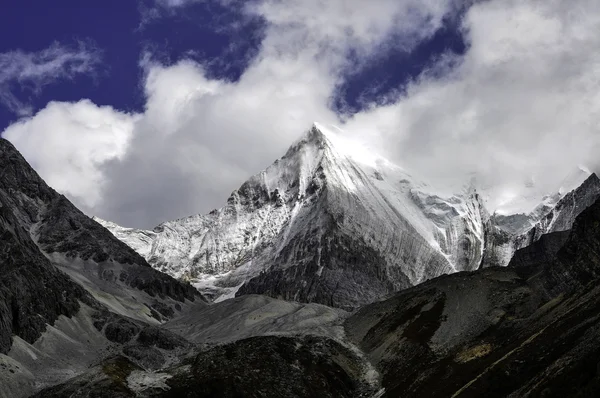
(27, 277)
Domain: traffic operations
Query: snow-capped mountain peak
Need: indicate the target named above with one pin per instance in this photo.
(335, 223)
(347, 146)
(278, 232)
(527, 197)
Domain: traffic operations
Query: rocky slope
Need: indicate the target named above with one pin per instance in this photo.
(26, 276)
(532, 330)
(68, 287)
(507, 234)
(79, 246)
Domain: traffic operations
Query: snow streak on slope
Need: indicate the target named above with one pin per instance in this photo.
(327, 197)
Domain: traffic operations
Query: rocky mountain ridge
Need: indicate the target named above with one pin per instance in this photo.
(331, 223)
(529, 329)
(281, 230)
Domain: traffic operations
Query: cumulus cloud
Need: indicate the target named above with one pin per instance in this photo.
(34, 70)
(520, 105)
(198, 139)
(67, 143)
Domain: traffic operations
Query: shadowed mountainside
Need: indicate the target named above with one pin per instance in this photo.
(527, 330)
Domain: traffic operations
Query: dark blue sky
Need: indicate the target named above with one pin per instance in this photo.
(114, 28)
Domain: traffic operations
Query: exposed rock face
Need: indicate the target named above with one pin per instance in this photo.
(55, 224)
(48, 318)
(27, 277)
(541, 252)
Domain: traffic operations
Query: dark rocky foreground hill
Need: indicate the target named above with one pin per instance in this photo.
(532, 329)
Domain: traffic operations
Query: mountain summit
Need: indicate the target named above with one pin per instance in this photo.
(328, 222)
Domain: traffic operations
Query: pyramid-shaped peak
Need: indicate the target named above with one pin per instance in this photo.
(316, 132)
(336, 144)
(327, 134)
(321, 128)
(316, 136)
(320, 133)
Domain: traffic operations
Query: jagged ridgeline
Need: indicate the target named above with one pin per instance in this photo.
(333, 224)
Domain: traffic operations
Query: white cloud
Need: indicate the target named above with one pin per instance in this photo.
(34, 70)
(198, 139)
(521, 105)
(68, 143)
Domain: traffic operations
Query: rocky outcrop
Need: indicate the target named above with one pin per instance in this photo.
(32, 292)
(347, 272)
(275, 367)
(541, 252)
(58, 228)
(267, 366)
(54, 222)
(108, 379)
